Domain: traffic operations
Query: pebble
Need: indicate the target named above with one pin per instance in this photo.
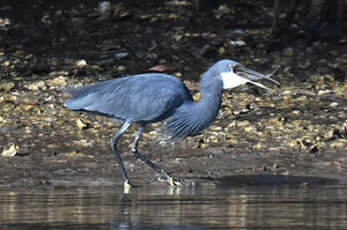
(339, 143)
(10, 151)
(81, 124)
(323, 92)
(40, 85)
(104, 7)
(121, 55)
(250, 129)
(6, 86)
(238, 43)
(243, 123)
(6, 63)
(296, 112)
(259, 145)
(58, 81)
(333, 104)
(81, 63)
(121, 68)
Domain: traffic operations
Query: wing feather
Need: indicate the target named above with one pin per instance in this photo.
(139, 98)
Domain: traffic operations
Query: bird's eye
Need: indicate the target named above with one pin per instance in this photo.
(231, 66)
(234, 68)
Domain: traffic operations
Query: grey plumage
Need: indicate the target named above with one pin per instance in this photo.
(125, 99)
(153, 97)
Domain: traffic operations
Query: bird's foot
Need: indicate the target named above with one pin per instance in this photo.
(126, 186)
(171, 181)
(174, 182)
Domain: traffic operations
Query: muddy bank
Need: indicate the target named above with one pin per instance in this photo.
(300, 130)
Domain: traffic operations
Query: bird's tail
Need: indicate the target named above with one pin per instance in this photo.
(82, 96)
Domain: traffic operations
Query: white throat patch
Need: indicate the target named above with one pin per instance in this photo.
(232, 80)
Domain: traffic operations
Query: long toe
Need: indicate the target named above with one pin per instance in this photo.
(170, 180)
(174, 182)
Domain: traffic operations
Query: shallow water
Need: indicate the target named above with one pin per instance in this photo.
(248, 207)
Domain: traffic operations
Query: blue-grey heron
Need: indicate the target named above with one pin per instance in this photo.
(153, 97)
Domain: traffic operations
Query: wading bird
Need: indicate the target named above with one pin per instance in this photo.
(153, 97)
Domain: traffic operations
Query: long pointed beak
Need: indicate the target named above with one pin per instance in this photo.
(253, 75)
(240, 75)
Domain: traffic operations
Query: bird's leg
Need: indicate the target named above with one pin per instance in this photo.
(138, 155)
(115, 138)
(137, 139)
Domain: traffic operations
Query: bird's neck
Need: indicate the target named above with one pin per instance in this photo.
(192, 117)
(211, 89)
(208, 106)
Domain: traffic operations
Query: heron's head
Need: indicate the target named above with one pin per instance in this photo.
(234, 74)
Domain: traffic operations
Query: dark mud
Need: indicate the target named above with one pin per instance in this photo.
(299, 131)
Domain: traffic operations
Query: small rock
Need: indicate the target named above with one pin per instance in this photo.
(6, 63)
(302, 98)
(238, 43)
(322, 92)
(203, 145)
(232, 124)
(293, 143)
(221, 50)
(71, 154)
(216, 128)
(81, 124)
(329, 135)
(6, 86)
(259, 145)
(177, 37)
(243, 123)
(81, 63)
(10, 152)
(339, 143)
(343, 130)
(211, 139)
(122, 68)
(287, 92)
(333, 104)
(104, 7)
(277, 121)
(250, 129)
(84, 143)
(58, 81)
(28, 107)
(121, 55)
(40, 85)
(296, 112)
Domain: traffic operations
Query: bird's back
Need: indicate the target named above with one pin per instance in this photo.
(139, 98)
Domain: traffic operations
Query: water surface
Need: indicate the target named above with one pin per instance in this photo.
(249, 207)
